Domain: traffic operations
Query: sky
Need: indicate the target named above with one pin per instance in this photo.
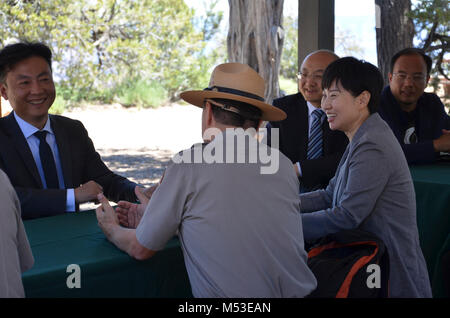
(356, 16)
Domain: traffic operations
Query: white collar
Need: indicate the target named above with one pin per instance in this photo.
(28, 129)
(311, 108)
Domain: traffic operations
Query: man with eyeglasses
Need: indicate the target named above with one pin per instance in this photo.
(304, 136)
(418, 119)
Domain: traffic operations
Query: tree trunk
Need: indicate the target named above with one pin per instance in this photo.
(394, 31)
(255, 37)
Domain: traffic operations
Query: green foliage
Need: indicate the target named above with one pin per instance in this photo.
(432, 28)
(59, 105)
(99, 44)
(210, 22)
(142, 94)
(289, 56)
(345, 42)
(288, 85)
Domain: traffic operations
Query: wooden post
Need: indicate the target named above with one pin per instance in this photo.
(315, 27)
(394, 31)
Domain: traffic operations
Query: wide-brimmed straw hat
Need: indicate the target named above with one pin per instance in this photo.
(236, 81)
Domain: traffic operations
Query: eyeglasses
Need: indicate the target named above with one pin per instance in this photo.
(417, 78)
(313, 76)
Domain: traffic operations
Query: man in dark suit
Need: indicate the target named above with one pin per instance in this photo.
(49, 159)
(418, 119)
(304, 136)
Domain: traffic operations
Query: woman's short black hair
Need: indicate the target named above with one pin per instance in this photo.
(355, 76)
(14, 53)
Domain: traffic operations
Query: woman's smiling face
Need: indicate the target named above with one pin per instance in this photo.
(344, 111)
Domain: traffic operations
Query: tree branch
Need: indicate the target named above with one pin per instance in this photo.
(113, 12)
(439, 64)
(442, 37)
(430, 37)
(444, 47)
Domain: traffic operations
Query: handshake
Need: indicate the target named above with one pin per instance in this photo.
(90, 190)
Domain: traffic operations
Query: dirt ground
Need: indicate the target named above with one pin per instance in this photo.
(137, 143)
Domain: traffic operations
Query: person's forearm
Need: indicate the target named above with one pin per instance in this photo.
(41, 202)
(120, 237)
(125, 240)
(314, 201)
(420, 153)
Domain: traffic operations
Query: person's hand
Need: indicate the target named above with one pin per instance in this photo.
(442, 144)
(148, 192)
(87, 192)
(106, 217)
(130, 214)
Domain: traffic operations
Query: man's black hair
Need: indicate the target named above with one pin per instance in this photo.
(412, 51)
(247, 117)
(11, 54)
(355, 76)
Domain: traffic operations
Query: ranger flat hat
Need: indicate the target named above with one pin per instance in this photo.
(236, 81)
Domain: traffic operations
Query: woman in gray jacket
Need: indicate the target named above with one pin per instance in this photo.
(372, 189)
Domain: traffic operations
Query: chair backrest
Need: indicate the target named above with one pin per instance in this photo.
(346, 263)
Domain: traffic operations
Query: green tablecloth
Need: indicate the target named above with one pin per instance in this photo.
(107, 272)
(439, 290)
(432, 186)
(75, 238)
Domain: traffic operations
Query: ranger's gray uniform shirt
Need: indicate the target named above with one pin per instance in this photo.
(15, 252)
(240, 230)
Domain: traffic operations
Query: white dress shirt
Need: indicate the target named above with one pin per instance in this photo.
(28, 131)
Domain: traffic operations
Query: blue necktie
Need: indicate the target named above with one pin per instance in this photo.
(47, 161)
(315, 138)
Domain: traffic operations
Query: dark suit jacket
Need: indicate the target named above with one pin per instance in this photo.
(294, 130)
(431, 118)
(79, 160)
